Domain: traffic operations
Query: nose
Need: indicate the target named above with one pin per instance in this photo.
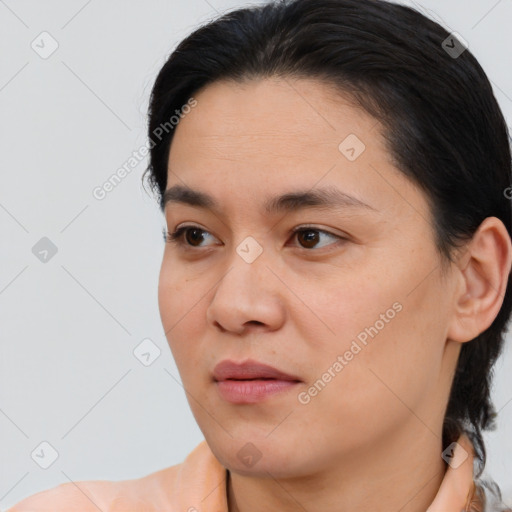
(249, 297)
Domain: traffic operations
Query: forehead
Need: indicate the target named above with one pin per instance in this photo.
(275, 135)
(280, 115)
(260, 127)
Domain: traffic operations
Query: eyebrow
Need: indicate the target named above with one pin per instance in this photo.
(324, 197)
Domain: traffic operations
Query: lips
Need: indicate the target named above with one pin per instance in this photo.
(249, 370)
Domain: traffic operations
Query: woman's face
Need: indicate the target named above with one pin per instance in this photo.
(353, 305)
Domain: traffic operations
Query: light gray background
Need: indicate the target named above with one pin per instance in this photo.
(69, 326)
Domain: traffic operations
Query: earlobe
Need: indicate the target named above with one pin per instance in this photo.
(484, 269)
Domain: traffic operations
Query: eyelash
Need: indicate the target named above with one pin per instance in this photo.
(177, 236)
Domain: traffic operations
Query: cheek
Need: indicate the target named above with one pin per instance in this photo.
(377, 385)
(182, 312)
(349, 306)
(390, 334)
(175, 294)
(168, 289)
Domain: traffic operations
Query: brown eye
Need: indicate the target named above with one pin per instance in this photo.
(309, 237)
(187, 236)
(193, 236)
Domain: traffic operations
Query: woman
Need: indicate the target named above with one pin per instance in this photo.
(335, 286)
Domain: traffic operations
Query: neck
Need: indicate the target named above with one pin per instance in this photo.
(402, 474)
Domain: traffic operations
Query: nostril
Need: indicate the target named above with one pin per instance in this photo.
(219, 326)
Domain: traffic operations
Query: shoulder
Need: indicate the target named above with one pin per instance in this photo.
(82, 496)
(151, 493)
(146, 494)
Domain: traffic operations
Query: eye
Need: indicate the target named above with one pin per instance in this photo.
(310, 236)
(189, 237)
(178, 236)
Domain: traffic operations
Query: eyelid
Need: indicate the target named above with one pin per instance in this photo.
(302, 227)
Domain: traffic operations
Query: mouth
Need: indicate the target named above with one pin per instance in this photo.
(250, 391)
(249, 370)
(257, 378)
(251, 381)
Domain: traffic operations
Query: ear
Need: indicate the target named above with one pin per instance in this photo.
(483, 269)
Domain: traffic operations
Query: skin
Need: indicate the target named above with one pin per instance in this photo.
(372, 438)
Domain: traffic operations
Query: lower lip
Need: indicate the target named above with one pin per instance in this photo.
(252, 391)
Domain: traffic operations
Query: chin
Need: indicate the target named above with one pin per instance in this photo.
(259, 456)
